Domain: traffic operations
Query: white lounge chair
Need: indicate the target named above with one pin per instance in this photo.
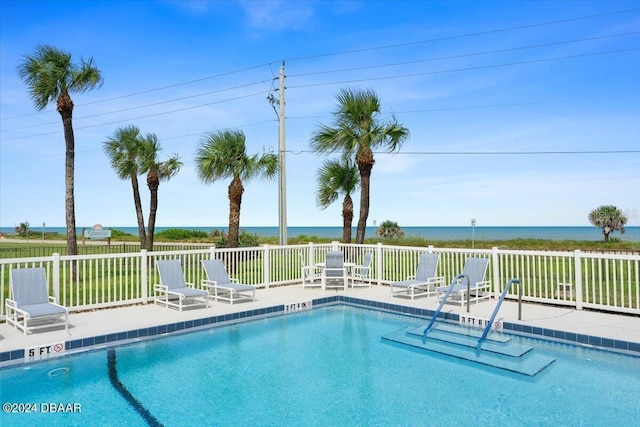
(220, 286)
(361, 276)
(174, 291)
(334, 273)
(474, 271)
(311, 276)
(30, 306)
(425, 281)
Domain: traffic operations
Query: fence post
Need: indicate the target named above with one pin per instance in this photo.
(56, 277)
(379, 262)
(577, 260)
(311, 255)
(495, 269)
(266, 265)
(144, 275)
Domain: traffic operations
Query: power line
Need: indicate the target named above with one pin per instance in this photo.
(347, 52)
(514, 104)
(151, 90)
(141, 117)
(467, 107)
(317, 84)
(476, 107)
(143, 106)
(454, 70)
(487, 153)
(464, 55)
(88, 150)
(356, 80)
(435, 153)
(479, 33)
(335, 71)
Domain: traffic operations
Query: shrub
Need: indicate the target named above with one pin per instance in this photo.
(244, 239)
(23, 229)
(180, 234)
(390, 230)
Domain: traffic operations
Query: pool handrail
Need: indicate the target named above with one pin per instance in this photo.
(444, 300)
(495, 310)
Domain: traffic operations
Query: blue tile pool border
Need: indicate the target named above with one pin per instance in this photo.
(115, 338)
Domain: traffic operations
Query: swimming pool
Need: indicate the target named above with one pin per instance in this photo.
(323, 367)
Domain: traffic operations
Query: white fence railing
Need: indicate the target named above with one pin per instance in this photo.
(609, 282)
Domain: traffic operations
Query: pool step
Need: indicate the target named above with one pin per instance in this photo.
(466, 330)
(467, 338)
(507, 355)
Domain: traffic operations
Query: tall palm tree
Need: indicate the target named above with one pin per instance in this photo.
(337, 177)
(358, 131)
(222, 154)
(51, 76)
(156, 171)
(123, 149)
(609, 218)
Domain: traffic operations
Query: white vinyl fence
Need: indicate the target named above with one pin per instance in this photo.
(608, 282)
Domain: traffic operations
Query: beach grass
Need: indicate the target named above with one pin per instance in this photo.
(17, 247)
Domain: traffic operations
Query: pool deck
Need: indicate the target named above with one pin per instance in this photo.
(86, 325)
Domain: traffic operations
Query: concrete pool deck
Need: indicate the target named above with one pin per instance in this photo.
(86, 325)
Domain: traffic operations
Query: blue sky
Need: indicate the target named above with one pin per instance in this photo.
(519, 112)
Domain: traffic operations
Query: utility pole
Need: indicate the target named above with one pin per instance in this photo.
(282, 188)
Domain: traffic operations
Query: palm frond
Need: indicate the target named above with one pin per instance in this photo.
(50, 72)
(222, 154)
(336, 177)
(122, 149)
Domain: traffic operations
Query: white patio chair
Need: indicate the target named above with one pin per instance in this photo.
(30, 307)
(423, 283)
(220, 286)
(334, 273)
(174, 291)
(311, 274)
(361, 276)
(474, 271)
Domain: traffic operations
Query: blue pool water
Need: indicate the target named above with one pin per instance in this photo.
(324, 367)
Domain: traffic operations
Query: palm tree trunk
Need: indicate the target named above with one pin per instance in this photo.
(153, 208)
(365, 180)
(138, 205)
(347, 218)
(235, 200)
(153, 182)
(65, 108)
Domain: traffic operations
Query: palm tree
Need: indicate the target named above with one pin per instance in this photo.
(335, 178)
(609, 218)
(389, 230)
(156, 171)
(222, 154)
(51, 76)
(358, 131)
(123, 149)
(23, 229)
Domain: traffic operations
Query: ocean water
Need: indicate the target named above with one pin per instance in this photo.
(433, 233)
